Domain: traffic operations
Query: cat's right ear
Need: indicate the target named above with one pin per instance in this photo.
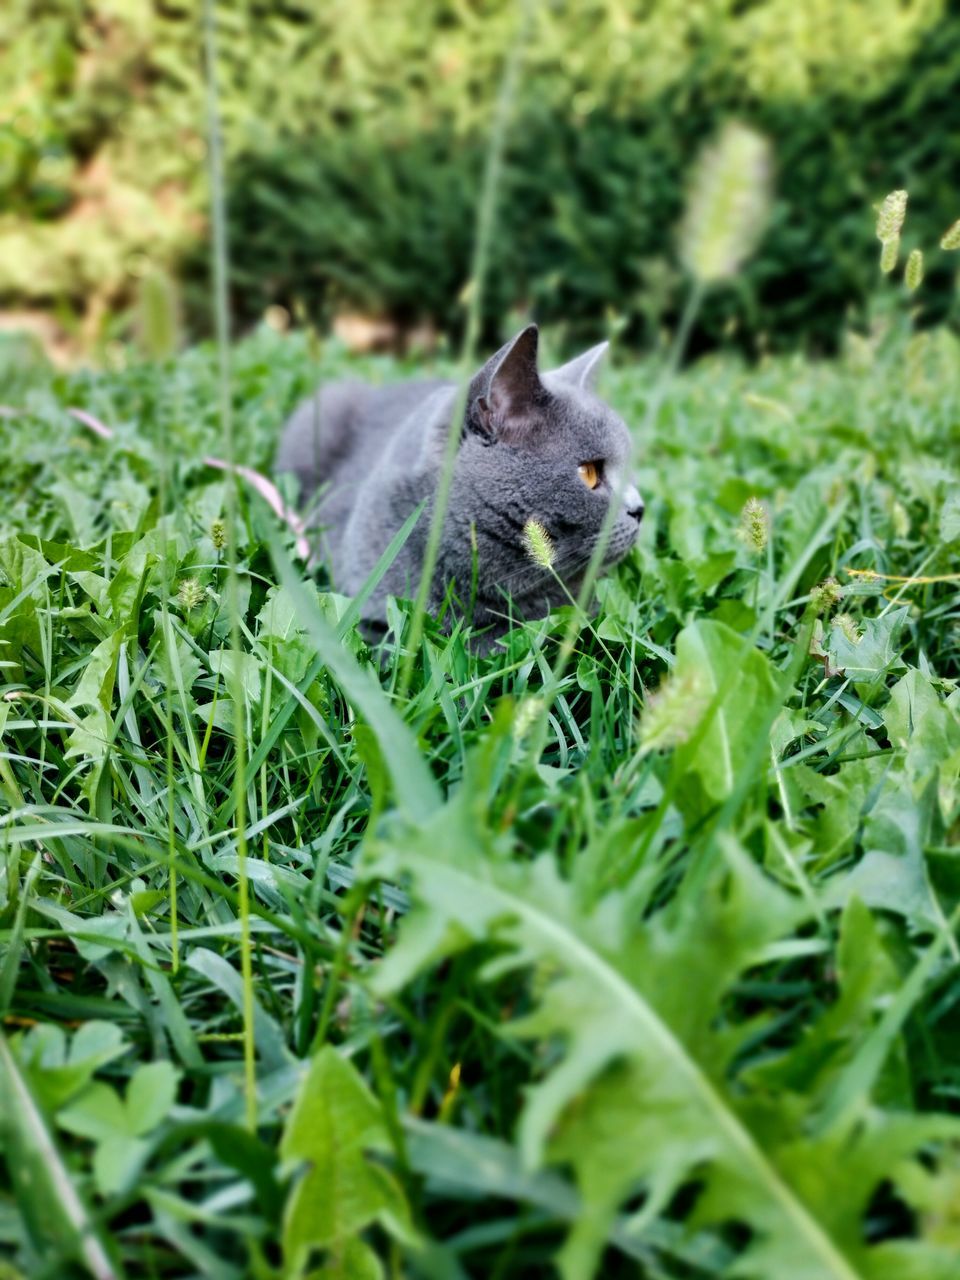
(506, 388)
(583, 370)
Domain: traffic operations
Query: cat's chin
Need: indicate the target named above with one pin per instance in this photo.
(621, 544)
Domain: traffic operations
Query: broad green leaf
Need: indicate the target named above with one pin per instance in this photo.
(98, 1113)
(282, 637)
(57, 1072)
(335, 1125)
(134, 572)
(923, 725)
(117, 1162)
(150, 1095)
(354, 1260)
(22, 568)
(728, 666)
(116, 1125)
(640, 1096)
(95, 687)
(874, 653)
(241, 671)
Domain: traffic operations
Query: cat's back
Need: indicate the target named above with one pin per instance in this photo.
(346, 425)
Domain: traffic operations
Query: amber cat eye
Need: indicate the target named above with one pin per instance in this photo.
(590, 474)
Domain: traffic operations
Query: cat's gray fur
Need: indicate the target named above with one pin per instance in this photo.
(376, 452)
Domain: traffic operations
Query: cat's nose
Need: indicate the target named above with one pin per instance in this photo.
(633, 503)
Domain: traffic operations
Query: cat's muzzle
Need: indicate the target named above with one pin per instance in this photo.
(633, 503)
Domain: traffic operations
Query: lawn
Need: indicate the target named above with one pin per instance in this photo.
(320, 962)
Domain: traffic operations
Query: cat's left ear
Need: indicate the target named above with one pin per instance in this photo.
(582, 371)
(507, 388)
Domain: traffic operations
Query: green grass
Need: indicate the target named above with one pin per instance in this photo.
(631, 988)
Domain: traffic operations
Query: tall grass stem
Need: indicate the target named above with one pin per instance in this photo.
(486, 217)
(222, 321)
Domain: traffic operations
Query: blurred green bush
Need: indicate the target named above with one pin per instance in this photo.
(356, 130)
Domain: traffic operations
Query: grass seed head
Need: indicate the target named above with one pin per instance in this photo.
(526, 715)
(889, 255)
(913, 272)
(158, 321)
(754, 529)
(846, 624)
(951, 237)
(826, 594)
(727, 205)
(890, 216)
(218, 534)
(191, 594)
(673, 711)
(899, 519)
(537, 541)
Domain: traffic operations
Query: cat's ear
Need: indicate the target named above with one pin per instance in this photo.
(508, 386)
(582, 370)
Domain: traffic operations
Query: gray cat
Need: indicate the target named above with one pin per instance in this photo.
(531, 447)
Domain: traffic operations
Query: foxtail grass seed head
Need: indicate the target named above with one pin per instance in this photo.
(158, 322)
(538, 544)
(218, 534)
(951, 237)
(889, 255)
(900, 519)
(754, 529)
(526, 715)
(826, 594)
(890, 216)
(673, 711)
(728, 204)
(913, 272)
(846, 624)
(191, 594)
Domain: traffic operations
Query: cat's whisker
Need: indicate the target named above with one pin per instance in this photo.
(528, 577)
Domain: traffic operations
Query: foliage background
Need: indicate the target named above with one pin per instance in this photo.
(316, 961)
(678, 1013)
(515, 999)
(355, 132)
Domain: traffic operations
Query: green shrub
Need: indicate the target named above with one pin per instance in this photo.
(356, 134)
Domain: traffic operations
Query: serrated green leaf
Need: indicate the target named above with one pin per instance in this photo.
(640, 1097)
(874, 653)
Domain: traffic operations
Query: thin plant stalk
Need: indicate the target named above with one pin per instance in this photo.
(222, 319)
(486, 215)
(654, 404)
(553, 684)
(167, 631)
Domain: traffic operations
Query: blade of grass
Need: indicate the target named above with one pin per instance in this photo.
(221, 313)
(47, 1170)
(416, 791)
(483, 238)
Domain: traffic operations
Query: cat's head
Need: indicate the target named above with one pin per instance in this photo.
(541, 447)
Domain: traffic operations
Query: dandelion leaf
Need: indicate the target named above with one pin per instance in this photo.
(719, 748)
(641, 1096)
